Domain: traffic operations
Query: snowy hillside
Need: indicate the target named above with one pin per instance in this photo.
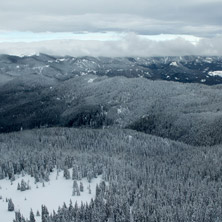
(51, 194)
(171, 109)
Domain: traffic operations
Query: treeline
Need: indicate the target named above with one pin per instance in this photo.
(149, 178)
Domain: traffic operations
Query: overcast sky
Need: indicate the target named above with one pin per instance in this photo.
(139, 27)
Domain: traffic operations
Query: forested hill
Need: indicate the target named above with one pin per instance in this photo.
(191, 113)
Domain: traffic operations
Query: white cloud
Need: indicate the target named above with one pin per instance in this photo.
(129, 44)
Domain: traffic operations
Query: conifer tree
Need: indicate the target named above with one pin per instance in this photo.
(81, 187)
(45, 214)
(66, 174)
(31, 217)
(18, 186)
(11, 206)
(18, 217)
(23, 185)
(75, 191)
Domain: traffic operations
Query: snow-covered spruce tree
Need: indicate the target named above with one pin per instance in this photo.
(45, 214)
(81, 187)
(37, 214)
(11, 171)
(23, 185)
(66, 173)
(32, 217)
(75, 191)
(11, 206)
(18, 186)
(1, 173)
(89, 176)
(89, 189)
(75, 172)
(18, 217)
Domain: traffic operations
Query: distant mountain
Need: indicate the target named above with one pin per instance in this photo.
(186, 69)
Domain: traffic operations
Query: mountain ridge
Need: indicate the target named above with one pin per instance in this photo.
(186, 69)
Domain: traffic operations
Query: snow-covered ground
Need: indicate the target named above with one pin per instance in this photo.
(54, 193)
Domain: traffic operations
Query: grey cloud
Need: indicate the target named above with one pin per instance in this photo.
(141, 16)
(109, 22)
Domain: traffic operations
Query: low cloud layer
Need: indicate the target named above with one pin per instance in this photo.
(129, 45)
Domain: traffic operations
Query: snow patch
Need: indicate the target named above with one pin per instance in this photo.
(53, 194)
(174, 64)
(208, 60)
(91, 80)
(60, 60)
(130, 138)
(215, 73)
(40, 68)
(119, 110)
(29, 54)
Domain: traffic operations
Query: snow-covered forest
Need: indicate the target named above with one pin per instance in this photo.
(83, 141)
(139, 177)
